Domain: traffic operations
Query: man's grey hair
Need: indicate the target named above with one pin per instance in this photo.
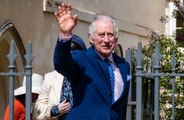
(92, 27)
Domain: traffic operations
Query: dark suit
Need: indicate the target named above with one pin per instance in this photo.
(90, 83)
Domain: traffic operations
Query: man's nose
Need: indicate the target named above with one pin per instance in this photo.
(106, 38)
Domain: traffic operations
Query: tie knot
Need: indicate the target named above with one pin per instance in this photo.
(107, 60)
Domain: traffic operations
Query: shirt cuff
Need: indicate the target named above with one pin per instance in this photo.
(64, 38)
(54, 111)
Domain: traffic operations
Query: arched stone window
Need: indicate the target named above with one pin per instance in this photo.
(119, 50)
(8, 33)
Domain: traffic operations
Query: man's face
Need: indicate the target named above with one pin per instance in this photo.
(104, 39)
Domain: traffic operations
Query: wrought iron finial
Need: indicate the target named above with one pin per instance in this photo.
(157, 56)
(139, 56)
(29, 56)
(12, 55)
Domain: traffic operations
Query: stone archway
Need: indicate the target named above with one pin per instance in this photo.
(118, 50)
(8, 33)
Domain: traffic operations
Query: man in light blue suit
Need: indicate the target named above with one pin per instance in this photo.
(99, 78)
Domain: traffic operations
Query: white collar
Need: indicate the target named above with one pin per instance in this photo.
(110, 58)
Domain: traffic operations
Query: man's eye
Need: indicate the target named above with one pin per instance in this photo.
(110, 35)
(101, 35)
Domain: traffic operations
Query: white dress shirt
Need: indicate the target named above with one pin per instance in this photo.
(118, 80)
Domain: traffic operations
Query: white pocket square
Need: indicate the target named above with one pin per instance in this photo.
(129, 77)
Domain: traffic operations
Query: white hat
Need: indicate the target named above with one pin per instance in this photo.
(36, 85)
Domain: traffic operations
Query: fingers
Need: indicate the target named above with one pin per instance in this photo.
(64, 9)
(75, 18)
(65, 104)
(56, 16)
(69, 9)
(64, 107)
(67, 108)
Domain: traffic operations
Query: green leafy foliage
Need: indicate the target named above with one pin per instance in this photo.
(167, 47)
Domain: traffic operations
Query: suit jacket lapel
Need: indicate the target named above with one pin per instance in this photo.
(103, 65)
(105, 70)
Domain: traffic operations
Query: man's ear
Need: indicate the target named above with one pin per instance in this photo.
(91, 41)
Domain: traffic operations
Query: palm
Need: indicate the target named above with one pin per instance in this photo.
(66, 23)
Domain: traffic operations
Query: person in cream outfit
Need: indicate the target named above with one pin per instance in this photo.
(52, 84)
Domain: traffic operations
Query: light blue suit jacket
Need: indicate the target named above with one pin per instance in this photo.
(90, 83)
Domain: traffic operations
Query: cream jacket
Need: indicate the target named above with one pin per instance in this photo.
(49, 95)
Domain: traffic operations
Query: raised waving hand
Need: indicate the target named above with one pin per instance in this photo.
(65, 19)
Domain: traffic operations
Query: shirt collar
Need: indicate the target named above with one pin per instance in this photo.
(110, 58)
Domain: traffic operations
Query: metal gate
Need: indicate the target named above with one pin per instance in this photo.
(28, 73)
(140, 75)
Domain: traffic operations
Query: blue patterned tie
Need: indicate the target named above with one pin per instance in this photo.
(111, 75)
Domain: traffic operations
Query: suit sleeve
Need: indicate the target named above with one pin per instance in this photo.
(63, 61)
